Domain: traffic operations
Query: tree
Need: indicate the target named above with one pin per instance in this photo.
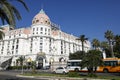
(117, 45)
(95, 43)
(109, 36)
(92, 59)
(77, 55)
(33, 66)
(105, 47)
(83, 39)
(21, 60)
(9, 13)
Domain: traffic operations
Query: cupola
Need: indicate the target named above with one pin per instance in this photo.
(41, 18)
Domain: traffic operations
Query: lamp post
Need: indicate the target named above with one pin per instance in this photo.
(51, 64)
(22, 61)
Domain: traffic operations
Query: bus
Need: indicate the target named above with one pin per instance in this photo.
(110, 65)
(73, 65)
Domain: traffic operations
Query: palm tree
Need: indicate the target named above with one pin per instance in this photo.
(104, 45)
(117, 46)
(33, 66)
(83, 39)
(117, 39)
(109, 36)
(9, 13)
(21, 59)
(95, 43)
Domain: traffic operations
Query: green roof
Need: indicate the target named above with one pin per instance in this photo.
(42, 11)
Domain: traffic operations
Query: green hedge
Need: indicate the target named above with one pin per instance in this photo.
(73, 74)
(16, 67)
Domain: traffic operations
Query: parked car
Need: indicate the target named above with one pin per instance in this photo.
(61, 70)
(46, 67)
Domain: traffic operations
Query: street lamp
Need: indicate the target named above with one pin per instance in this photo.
(22, 59)
(52, 60)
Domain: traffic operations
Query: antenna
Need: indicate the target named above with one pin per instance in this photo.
(42, 5)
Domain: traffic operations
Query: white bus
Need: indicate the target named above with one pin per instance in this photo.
(73, 65)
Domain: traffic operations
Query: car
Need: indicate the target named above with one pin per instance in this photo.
(61, 70)
(46, 67)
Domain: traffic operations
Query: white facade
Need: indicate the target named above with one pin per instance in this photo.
(43, 42)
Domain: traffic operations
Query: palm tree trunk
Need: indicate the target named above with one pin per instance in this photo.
(82, 46)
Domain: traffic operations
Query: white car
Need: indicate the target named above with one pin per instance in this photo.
(61, 70)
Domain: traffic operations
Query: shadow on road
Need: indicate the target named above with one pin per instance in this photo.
(14, 79)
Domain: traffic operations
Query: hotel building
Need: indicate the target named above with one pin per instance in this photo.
(43, 42)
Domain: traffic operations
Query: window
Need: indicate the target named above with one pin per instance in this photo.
(48, 31)
(110, 63)
(41, 38)
(60, 68)
(33, 29)
(41, 32)
(16, 46)
(12, 47)
(17, 40)
(37, 29)
(45, 29)
(40, 43)
(41, 29)
(19, 34)
(33, 22)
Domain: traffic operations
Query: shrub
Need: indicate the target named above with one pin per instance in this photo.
(92, 75)
(73, 74)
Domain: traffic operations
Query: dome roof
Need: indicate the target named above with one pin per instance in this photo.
(41, 18)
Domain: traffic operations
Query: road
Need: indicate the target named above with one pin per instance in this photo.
(11, 75)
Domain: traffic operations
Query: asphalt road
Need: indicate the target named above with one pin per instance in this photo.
(11, 75)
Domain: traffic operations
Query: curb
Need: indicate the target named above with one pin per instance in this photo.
(53, 77)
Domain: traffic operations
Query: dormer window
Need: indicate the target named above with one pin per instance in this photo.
(37, 20)
(33, 22)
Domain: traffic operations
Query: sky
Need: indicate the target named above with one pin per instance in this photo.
(91, 18)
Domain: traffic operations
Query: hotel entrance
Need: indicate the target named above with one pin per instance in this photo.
(40, 63)
(40, 60)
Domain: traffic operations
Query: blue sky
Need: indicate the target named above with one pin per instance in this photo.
(89, 17)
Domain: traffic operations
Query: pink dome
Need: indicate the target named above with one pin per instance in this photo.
(41, 18)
